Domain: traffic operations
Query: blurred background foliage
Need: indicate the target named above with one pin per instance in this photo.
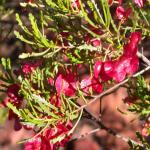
(8, 45)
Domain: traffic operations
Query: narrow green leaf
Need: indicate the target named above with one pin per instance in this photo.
(13, 108)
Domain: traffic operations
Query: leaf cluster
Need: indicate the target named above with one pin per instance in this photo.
(140, 90)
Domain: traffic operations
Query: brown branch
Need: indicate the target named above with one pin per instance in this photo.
(13, 5)
(107, 129)
(8, 22)
(147, 61)
(86, 134)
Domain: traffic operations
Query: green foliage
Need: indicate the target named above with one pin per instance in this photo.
(141, 19)
(6, 75)
(3, 115)
(38, 108)
(13, 108)
(6, 63)
(59, 16)
(145, 144)
(141, 92)
(38, 39)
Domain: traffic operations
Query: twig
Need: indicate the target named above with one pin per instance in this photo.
(100, 107)
(8, 22)
(86, 134)
(107, 129)
(112, 132)
(12, 5)
(147, 61)
(12, 26)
